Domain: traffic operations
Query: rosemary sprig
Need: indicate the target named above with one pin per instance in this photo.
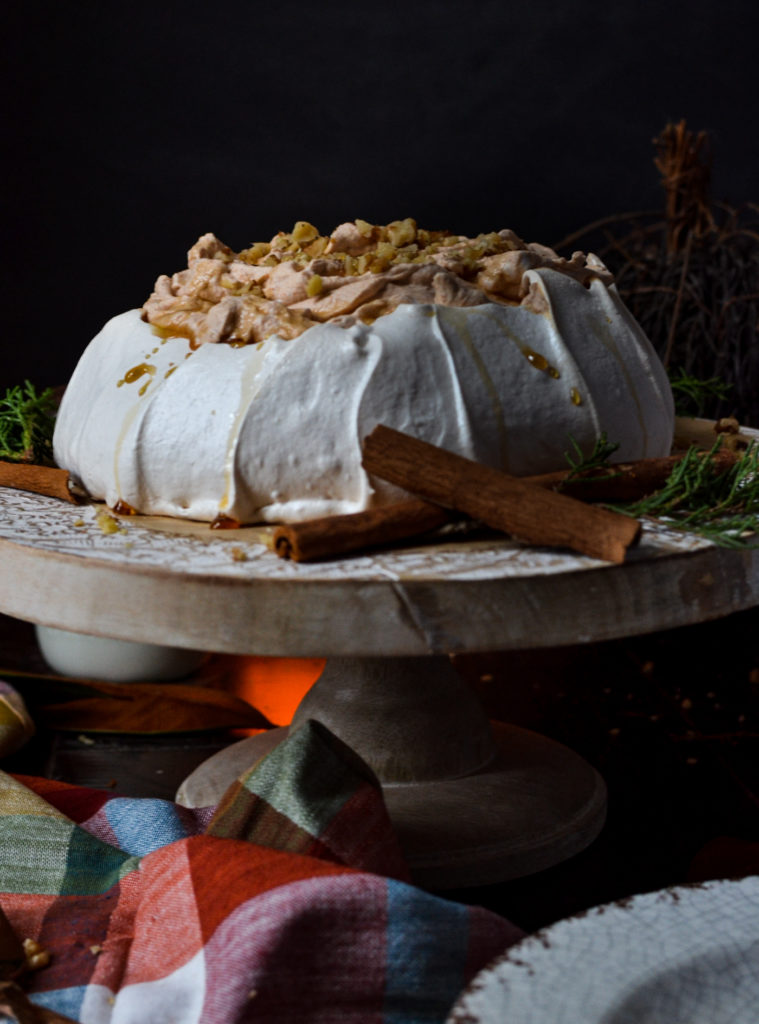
(694, 394)
(27, 420)
(722, 506)
(598, 458)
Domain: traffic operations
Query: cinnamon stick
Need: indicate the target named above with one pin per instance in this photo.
(532, 514)
(625, 481)
(331, 536)
(49, 480)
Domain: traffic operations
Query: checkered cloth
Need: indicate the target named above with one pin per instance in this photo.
(287, 903)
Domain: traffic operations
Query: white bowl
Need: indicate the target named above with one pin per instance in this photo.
(115, 661)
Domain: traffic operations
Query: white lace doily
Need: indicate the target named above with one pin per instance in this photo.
(47, 524)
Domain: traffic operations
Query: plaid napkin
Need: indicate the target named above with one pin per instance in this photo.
(285, 904)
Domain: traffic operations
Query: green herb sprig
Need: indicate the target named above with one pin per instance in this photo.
(722, 505)
(27, 420)
(598, 459)
(693, 394)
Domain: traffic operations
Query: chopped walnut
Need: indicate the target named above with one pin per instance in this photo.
(36, 955)
(727, 425)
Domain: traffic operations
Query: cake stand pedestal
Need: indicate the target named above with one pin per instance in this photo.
(473, 803)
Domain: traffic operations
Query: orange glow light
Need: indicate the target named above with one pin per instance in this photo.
(276, 685)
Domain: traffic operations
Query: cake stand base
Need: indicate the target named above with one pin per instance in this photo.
(473, 802)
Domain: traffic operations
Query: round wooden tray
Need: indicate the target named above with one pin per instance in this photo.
(184, 585)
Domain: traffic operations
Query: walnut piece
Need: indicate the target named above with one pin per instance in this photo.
(36, 955)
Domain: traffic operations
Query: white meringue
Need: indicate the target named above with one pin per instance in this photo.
(273, 431)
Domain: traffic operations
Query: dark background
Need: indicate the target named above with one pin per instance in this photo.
(133, 128)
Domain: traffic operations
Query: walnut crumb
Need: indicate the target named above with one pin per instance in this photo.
(36, 955)
(107, 523)
(727, 425)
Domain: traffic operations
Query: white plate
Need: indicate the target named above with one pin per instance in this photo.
(686, 955)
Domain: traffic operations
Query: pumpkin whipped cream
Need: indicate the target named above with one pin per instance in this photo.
(360, 272)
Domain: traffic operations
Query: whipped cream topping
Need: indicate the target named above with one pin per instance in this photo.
(358, 273)
(271, 430)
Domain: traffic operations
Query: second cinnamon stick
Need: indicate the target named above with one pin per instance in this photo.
(56, 483)
(331, 536)
(529, 513)
(625, 481)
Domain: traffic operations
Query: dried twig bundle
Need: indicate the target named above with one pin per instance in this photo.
(690, 276)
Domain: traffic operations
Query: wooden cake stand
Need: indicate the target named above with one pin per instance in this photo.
(473, 803)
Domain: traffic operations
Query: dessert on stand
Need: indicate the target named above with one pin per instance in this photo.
(264, 387)
(244, 388)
